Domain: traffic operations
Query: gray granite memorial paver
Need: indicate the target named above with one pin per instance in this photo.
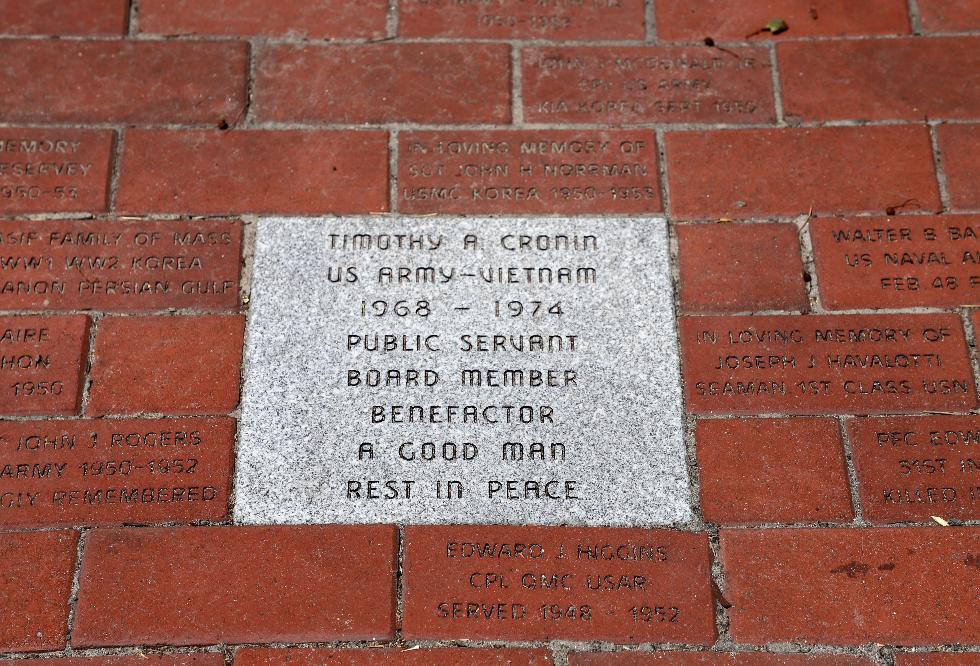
(466, 370)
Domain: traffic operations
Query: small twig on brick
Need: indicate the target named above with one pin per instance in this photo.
(803, 221)
(891, 210)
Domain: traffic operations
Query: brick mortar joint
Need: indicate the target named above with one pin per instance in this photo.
(942, 182)
(415, 126)
(134, 35)
(132, 19)
(850, 469)
(76, 582)
(877, 653)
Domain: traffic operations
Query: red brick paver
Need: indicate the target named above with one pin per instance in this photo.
(112, 265)
(54, 170)
(881, 79)
(42, 360)
(235, 585)
(908, 586)
(174, 365)
(913, 468)
(337, 19)
(949, 15)
(959, 147)
(627, 586)
(545, 171)
(873, 262)
(502, 19)
(826, 364)
(643, 85)
(106, 81)
(392, 657)
(938, 659)
(744, 173)
(425, 83)
(33, 598)
(715, 659)
(213, 172)
(772, 471)
(115, 471)
(56, 17)
(693, 20)
(727, 267)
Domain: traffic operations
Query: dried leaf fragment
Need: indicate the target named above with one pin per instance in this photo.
(776, 26)
(773, 26)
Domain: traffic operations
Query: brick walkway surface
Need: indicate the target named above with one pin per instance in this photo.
(813, 173)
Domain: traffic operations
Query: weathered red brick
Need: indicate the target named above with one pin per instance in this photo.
(122, 81)
(110, 265)
(213, 173)
(881, 79)
(899, 586)
(913, 468)
(336, 19)
(731, 267)
(392, 657)
(54, 170)
(42, 360)
(746, 173)
(173, 365)
(109, 471)
(528, 171)
(418, 82)
(959, 146)
(510, 19)
(142, 659)
(723, 20)
(544, 585)
(201, 585)
(57, 17)
(713, 659)
(647, 84)
(897, 262)
(949, 15)
(36, 570)
(826, 364)
(772, 471)
(938, 659)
